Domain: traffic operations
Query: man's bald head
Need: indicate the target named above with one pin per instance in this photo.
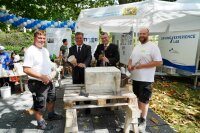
(143, 35)
(144, 29)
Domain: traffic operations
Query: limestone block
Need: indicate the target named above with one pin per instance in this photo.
(102, 80)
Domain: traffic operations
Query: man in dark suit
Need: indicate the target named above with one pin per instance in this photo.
(82, 53)
(106, 54)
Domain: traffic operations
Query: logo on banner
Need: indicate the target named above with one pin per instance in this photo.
(129, 11)
(173, 51)
(91, 40)
(176, 39)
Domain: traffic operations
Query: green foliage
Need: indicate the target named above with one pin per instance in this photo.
(58, 10)
(3, 26)
(73, 39)
(14, 41)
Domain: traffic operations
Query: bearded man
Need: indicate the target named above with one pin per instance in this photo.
(142, 65)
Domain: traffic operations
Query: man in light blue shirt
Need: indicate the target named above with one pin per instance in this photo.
(4, 58)
(4, 61)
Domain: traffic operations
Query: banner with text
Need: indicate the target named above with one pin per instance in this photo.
(179, 49)
(126, 47)
(54, 39)
(92, 39)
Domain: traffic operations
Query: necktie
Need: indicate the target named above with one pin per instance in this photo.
(105, 47)
(79, 50)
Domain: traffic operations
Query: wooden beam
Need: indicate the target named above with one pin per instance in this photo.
(71, 125)
(99, 106)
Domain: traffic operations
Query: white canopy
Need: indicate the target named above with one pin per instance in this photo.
(159, 16)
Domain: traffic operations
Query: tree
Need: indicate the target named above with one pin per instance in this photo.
(58, 10)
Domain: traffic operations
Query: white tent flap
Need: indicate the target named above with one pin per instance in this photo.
(159, 16)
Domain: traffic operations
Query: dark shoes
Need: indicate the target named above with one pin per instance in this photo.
(43, 125)
(51, 116)
(142, 125)
(55, 116)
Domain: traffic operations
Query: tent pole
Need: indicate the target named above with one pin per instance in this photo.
(197, 66)
(196, 77)
(133, 37)
(136, 32)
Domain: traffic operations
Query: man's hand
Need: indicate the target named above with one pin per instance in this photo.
(45, 79)
(81, 65)
(74, 64)
(105, 59)
(101, 57)
(131, 68)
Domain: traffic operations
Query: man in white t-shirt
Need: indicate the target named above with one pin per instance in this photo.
(142, 65)
(37, 66)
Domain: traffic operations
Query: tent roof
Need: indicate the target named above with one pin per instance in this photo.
(159, 16)
(188, 1)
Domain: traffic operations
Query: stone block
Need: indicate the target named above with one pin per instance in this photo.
(102, 80)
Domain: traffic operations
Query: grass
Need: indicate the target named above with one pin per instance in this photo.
(178, 104)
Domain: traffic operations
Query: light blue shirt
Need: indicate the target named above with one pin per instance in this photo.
(4, 59)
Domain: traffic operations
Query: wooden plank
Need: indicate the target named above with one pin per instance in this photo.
(128, 120)
(71, 125)
(133, 111)
(74, 85)
(132, 101)
(98, 106)
(76, 97)
(68, 105)
(123, 90)
(101, 102)
(131, 119)
(67, 87)
(72, 94)
(135, 127)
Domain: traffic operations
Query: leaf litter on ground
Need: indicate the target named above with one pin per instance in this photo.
(177, 103)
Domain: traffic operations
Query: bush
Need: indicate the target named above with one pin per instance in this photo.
(14, 40)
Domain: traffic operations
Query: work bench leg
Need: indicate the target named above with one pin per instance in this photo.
(132, 115)
(71, 125)
(21, 84)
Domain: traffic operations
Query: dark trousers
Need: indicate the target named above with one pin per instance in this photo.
(78, 75)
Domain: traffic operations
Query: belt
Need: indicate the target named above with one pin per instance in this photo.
(34, 80)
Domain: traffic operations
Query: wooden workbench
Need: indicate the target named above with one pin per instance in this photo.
(126, 99)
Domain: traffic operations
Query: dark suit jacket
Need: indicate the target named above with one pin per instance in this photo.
(85, 57)
(111, 53)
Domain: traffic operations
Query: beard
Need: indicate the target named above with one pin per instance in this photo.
(143, 39)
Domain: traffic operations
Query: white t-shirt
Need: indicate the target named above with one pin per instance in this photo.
(143, 54)
(38, 59)
(16, 58)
